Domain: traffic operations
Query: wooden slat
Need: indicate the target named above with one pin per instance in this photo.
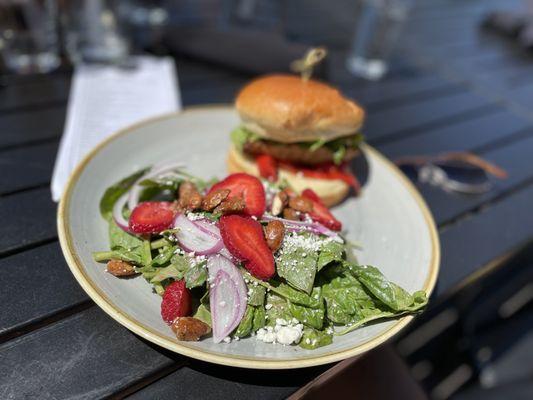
(49, 90)
(523, 95)
(398, 91)
(27, 167)
(458, 136)
(475, 241)
(29, 126)
(87, 355)
(27, 218)
(205, 381)
(405, 119)
(36, 285)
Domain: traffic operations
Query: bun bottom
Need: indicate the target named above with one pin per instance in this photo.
(330, 191)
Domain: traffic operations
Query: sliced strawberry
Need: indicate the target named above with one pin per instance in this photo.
(268, 167)
(176, 302)
(244, 238)
(151, 217)
(249, 188)
(311, 195)
(321, 213)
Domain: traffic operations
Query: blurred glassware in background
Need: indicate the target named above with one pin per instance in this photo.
(28, 35)
(144, 22)
(378, 27)
(94, 31)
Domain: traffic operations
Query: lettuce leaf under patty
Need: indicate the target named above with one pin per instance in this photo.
(240, 136)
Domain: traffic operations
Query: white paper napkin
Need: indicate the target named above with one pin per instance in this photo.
(104, 99)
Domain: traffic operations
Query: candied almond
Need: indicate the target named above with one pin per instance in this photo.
(120, 268)
(189, 197)
(301, 204)
(214, 198)
(274, 233)
(231, 205)
(291, 213)
(189, 328)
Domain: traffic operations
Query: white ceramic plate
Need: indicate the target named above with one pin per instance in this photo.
(390, 219)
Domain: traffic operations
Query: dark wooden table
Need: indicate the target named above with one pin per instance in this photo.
(452, 89)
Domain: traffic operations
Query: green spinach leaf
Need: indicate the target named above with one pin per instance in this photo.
(259, 319)
(312, 339)
(297, 266)
(196, 275)
(387, 292)
(276, 307)
(330, 252)
(256, 295)
(203, 314)
(165, 273)
(314, 300)
(313, 317)
(344, 297)
(164, 256)
(180, 261)
(246, 324)
(113, 193)
(118, 239)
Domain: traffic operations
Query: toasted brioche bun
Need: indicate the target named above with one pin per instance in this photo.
(330, 191)
(287, 109)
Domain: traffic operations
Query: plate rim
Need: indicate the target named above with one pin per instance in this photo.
(103, 301)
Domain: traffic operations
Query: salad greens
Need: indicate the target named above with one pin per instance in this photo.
(317, 284)
(113, 192)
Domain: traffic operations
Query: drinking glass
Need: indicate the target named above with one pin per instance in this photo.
(94, 31)
(28, 35)
(378, 26)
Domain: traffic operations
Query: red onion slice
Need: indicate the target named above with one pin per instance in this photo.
(211, 228)
(194, 239)
(118, 207)
(155, 171)
(227, 296)
(298, 226)
(225, 252)
(208, 227)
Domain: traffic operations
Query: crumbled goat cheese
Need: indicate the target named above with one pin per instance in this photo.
(195, 216)
(284, 332)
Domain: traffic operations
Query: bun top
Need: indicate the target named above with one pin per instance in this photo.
(287, 109)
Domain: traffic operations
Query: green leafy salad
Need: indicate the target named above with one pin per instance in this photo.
(227, 264)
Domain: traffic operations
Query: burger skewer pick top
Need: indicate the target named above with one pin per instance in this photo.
(298, 130)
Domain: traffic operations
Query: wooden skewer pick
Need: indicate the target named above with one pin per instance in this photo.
(306, 64)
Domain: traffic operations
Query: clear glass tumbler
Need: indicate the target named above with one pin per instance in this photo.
(28, 35)
(378, 26)
(94, 31)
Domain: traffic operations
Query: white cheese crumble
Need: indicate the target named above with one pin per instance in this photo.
(309, 243)
(284, 332)
(195, 216)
